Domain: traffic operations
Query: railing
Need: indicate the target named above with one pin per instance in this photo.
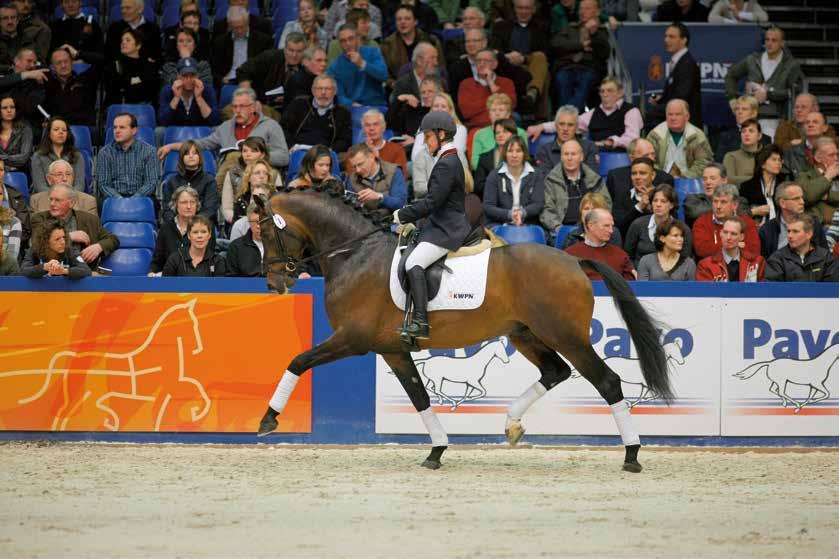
(617, 67)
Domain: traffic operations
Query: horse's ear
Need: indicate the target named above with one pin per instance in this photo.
(260, 200)
(333, 185)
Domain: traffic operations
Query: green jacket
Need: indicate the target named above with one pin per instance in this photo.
(556, 194)
(739, 166)
(787, 76)
(88, 223)
(820, 197)
(698, 151)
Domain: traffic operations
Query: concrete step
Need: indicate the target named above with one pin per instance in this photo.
(798, 14)
(824, 87)
(813, 49)
(820, 67)
(810, 32)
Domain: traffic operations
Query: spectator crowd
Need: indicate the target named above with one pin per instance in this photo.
(194, 115)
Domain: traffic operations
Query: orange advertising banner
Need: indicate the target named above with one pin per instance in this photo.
(168, 362)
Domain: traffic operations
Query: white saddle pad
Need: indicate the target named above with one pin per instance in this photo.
(463, 289)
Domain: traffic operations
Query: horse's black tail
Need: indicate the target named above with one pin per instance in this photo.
(642, 329)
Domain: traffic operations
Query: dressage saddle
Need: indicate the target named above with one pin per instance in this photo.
(434, 273)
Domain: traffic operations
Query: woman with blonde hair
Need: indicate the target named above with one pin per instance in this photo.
(257, 173)
(744, 108)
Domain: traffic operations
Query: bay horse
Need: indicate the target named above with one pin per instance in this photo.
(537, 296)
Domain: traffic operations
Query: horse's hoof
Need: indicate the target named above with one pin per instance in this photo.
(514, 431)
(267, 425)
(431, 464)
(633, 467)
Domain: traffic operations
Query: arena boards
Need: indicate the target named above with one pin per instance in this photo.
(727, 344)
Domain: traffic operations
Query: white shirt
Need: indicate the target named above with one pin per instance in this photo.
(728, 258)
(516, 182)
(768, 66)
(240, 55)
(651, 227)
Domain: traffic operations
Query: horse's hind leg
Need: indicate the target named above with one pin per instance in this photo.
(332, 349)
(552, 368)
(403, 367)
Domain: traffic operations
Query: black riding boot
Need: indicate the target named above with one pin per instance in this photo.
(418, 328)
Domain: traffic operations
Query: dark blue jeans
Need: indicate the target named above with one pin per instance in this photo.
(573, 86)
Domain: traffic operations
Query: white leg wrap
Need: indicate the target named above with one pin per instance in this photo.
(629, 435)
(283, 391)
(434, 428)
(527, 399)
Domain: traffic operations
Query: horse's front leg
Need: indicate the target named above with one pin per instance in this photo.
(334, 348)
(403, 366)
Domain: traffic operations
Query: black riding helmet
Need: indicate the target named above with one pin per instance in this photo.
(439, 120)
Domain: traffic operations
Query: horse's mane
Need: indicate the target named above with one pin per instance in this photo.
(336, 199)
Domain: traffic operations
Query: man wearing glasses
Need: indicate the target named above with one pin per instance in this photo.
(473, 92)
(773, 234)
(247, 121)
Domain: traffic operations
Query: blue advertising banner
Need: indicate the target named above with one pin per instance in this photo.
(715, 48)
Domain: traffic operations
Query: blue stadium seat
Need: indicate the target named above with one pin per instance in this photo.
(80, 67)
(524, 234)
(296, 158)
(144, 113)
(133, 234)
(144, 133)
(282, 13)
(176, 134)
(452, 34)
(253, 8)
(88, 171)
(387, 135)
(171, 16)
(562, 234)
(226, 95)
(138, 209)
(170, 164)
(82, 138)
(20, 182)
(684, 187)
(148, 12)
(540, 141)
(612, 160)
(128, 262)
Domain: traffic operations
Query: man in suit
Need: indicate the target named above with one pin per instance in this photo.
(425, 62)
(683, 78)
(61, 172)
(233, 49)
(272, 69)
(619, 181)
(255, 22)
(774, 234)
(86, 232)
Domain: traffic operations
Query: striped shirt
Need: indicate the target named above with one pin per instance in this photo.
(12, 233)
(127, 172)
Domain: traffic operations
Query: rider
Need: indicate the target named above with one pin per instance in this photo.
(447, 225)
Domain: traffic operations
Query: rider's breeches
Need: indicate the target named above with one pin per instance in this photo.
(425, 255)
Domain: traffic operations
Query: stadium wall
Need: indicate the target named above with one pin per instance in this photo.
(69, 353)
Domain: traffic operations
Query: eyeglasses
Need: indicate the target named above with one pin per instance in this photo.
(253, 221)
(794, 198)
(243, 106)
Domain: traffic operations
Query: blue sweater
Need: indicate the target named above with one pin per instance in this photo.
(364, 87)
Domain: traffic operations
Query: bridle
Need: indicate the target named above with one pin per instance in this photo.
(291, 263)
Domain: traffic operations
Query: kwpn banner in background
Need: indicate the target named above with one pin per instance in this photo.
(715, 48)
(150, 362)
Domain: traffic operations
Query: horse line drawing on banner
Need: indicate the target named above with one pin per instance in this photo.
(130, 373)
(783, 371)
(440, 371)
(629, 371)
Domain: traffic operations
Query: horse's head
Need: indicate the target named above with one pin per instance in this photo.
(501, 349)
(283, 246)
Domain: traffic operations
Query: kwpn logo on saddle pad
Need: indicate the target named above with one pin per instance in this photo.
(462, 289)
